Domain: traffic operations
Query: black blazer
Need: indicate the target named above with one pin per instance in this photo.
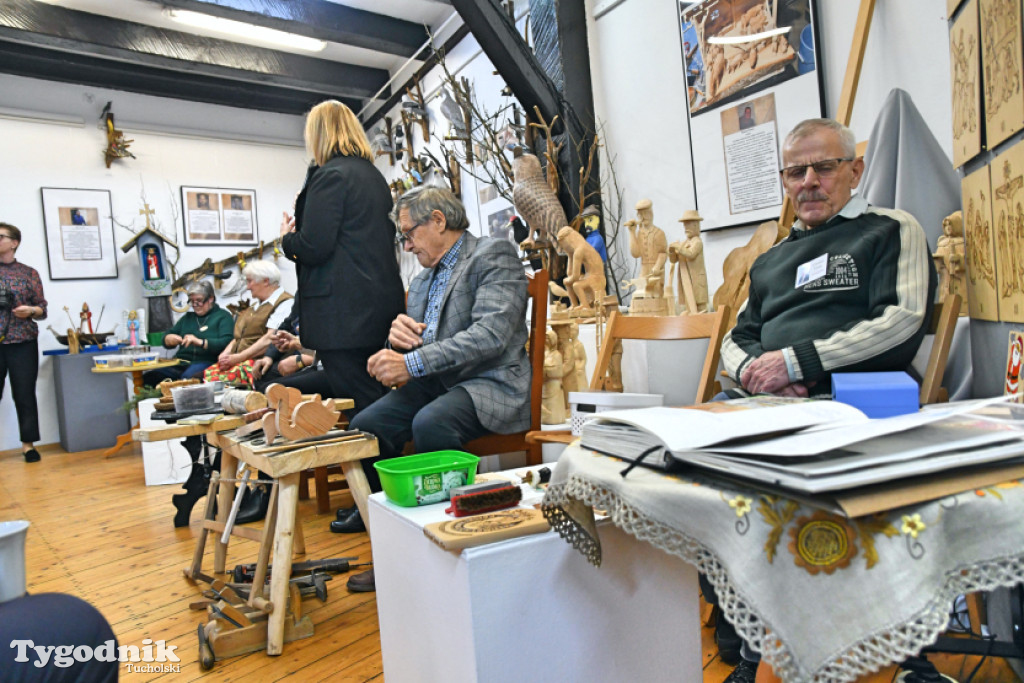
(350, 288)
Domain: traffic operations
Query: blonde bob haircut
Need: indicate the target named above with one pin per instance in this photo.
(332, 129)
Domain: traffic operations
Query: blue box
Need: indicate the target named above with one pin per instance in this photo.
(877, 394)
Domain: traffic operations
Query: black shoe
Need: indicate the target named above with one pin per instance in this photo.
(728, 641)
(31, 455)
(255, 502)
(362, 582)
(345, 512)
(745, 672)
(351, 524)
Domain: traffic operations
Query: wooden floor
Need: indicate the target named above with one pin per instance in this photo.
(99, 533)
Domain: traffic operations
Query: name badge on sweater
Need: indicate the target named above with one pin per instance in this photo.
(812, 270)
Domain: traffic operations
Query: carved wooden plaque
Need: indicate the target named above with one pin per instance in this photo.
(1001, 69)
(1007, 171)
(965, 64)
(981, 278)
(951, 6)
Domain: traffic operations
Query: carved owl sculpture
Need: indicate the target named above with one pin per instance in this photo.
(534, 200)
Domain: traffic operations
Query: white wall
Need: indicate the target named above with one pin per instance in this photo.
(69, 154)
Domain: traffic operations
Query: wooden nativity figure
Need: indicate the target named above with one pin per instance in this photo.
(688, 257)
(552, 404)
(585, 281)
(950, 259)
(561, 324)
(156, 276)
(647, 242)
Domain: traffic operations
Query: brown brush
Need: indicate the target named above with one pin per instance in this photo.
(485, 501)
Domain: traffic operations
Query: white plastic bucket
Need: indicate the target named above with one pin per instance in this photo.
(12, 559)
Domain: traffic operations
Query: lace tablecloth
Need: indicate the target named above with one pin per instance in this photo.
(822, 597)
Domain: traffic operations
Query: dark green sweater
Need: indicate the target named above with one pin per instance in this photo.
(216, 327)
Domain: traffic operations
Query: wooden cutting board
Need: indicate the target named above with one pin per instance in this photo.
(469, 532)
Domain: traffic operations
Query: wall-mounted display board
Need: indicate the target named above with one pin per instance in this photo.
(79, 234)
(965, 64)
(981, 274)
(751, 73)
(1007, 171)
(1001, 66)
(218, 216)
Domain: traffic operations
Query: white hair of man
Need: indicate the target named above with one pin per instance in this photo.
(809, 126)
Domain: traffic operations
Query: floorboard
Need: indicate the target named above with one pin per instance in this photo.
(100, 533)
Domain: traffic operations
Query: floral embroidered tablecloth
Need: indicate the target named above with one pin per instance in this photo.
(823, 597)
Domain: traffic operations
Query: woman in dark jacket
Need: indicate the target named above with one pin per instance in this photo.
(343, 243)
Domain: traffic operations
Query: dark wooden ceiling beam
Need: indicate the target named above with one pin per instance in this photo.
(54, 65)
(42, 25)
(317, 19)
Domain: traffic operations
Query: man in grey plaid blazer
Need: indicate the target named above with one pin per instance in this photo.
(459, 353)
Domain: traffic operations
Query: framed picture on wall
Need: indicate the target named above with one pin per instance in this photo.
(79, 234)
(217, 216)
(752, 74)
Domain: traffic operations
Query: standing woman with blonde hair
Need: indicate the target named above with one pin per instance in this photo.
(21, 304)
(343, 243)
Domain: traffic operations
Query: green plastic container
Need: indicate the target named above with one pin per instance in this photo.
(156, 339)
(425, 478)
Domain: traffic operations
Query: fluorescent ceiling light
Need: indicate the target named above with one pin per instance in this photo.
(244, 30)
(752, 38)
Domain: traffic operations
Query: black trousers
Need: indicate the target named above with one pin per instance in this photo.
(346, 373)
(435, 418)
(307, 380)
(21, 361)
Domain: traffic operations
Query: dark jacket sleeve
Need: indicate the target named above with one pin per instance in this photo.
(315, 242)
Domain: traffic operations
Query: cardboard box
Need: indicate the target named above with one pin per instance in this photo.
(877, 394)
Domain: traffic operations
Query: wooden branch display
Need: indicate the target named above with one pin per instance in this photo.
(389, 133)
(216, 269)
(417, 110)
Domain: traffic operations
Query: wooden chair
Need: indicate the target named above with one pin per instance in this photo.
(493, 444)
(710, 326)
(943, 324)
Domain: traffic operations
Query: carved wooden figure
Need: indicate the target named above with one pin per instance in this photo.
(964, 59)
(1008, 215)
(585, 281)
(691, 275)
(949, 259)
(295, 418)
(982, 299)
(580, 356)
(552, 405)
(533, 198)
(568, 351)
(736, 268)
(647, 242)
(1001, 69)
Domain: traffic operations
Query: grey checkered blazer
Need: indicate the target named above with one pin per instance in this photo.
(482, 333)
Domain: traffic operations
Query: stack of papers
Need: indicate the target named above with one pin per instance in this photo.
(809, 447)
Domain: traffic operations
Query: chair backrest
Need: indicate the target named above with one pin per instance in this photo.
(538, 292)
(943, 324)
(710, 326)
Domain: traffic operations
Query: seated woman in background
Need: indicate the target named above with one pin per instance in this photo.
(254, 327)
(199, 335)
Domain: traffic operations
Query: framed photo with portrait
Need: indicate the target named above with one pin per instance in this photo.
(217, 216)
(752, 73)
(79, 234)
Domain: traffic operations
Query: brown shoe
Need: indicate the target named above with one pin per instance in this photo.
(362, 582)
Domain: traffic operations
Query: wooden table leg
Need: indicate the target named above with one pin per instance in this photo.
(225, 497)
(359, 487)
(125, 439)
(287, 501)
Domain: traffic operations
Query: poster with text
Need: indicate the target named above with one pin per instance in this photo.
(735, 54)
(79, 234)
(219, 216)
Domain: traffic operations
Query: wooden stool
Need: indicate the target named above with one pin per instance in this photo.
(324, 485)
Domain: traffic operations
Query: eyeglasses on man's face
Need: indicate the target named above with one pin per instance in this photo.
(197, 302)
(824, 169)
(401, 237)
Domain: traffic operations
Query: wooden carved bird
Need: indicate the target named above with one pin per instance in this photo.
(533, 198)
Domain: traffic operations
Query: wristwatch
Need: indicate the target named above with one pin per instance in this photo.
(298, 360)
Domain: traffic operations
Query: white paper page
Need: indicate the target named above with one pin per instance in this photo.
(825, 438)
(871, 475)
(684, 429)
(902, 446)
